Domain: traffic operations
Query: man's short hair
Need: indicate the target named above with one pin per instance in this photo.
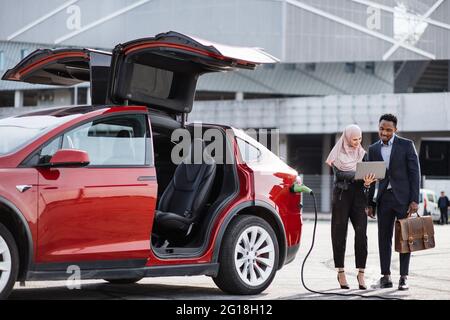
(389, 117)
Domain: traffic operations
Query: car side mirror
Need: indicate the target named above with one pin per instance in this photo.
(69, 158)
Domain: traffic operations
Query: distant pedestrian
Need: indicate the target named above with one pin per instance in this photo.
(443, 204)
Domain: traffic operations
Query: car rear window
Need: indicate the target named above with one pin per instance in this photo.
(15, 132)
(249, 152)
(152, 82)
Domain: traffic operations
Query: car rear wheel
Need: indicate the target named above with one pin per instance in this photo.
(124, 281)
(9, 262)
(248, 257)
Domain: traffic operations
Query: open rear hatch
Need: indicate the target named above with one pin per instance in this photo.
(65, 67)
(159, 72)
(162, 72)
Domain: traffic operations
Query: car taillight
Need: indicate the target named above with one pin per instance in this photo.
(424, 203)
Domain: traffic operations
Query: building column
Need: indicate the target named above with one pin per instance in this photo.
(283, 149)
(75, 95)
(325, 192)
(88, 96)
(337, 136)
(239, 96)
(18, 99)
(366, 140)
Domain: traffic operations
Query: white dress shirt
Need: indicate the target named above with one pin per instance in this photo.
(386, 150)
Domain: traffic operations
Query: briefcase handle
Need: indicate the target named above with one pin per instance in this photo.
(411, 213)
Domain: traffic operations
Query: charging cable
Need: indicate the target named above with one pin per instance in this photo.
(301, 188)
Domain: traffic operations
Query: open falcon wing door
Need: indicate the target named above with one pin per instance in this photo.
(162, 72)
(65, 67)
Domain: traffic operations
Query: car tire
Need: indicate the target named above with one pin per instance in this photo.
(124, 281)
(247, 262)
(9, 262)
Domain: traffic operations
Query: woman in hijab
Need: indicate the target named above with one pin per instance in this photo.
(349, 202)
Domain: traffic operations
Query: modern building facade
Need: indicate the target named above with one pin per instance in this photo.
(342, 61)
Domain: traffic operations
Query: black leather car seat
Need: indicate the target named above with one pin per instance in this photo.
(184, 199)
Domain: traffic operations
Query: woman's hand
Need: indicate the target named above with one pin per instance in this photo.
(370, 212)
(369, 179)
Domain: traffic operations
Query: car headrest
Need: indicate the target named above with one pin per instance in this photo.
(123, 134)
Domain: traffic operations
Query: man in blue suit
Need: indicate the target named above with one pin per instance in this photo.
(398, 193)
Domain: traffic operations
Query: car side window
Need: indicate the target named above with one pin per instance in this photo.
(118, 140)
(49, 150)
(430, 197)
(249, 153)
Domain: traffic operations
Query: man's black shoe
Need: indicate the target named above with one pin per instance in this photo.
(385, 282)
(402, 285)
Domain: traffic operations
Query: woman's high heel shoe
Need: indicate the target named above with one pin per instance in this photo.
(345, 285)
(361, 286)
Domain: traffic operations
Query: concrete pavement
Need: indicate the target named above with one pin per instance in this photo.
(429, 276)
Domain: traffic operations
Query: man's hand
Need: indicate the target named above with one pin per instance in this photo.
(413, 207)
(370, 212)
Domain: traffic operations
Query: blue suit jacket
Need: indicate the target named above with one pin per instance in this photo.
(403, 173)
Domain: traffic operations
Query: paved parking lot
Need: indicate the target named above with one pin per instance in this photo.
(429, 276)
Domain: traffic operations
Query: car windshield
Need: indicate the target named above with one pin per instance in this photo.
(17, 131)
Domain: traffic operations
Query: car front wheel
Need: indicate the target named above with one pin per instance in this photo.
(248, 257)
(9, 262)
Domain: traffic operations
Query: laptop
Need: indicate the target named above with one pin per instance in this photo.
(378, 168)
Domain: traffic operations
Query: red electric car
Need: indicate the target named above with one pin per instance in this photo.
(96, 186)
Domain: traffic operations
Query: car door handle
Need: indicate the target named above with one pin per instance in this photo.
(23, 187)
(146, 178)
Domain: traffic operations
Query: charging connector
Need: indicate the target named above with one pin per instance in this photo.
(300, 188)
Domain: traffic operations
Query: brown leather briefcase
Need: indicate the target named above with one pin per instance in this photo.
(414, 234)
